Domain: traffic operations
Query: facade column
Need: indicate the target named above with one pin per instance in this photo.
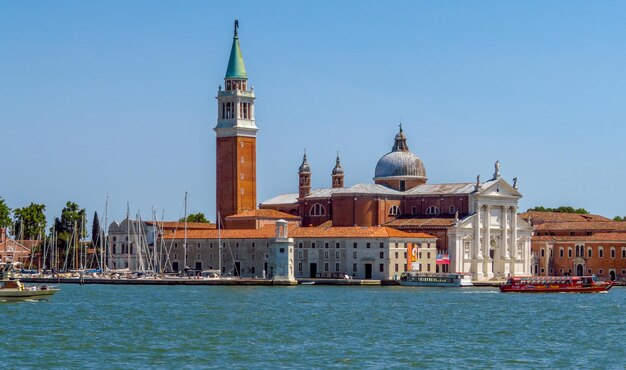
(513, 238)
(478, 253)
(487, 242)
(505, 232)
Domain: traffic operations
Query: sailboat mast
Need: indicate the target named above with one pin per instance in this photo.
(185, 237)
(103, 242)
(128, 236)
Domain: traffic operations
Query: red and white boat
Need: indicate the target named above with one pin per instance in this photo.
(555, 284)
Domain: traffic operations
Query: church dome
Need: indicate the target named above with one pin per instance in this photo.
(400, 163)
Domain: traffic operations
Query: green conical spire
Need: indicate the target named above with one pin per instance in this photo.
(236, 68)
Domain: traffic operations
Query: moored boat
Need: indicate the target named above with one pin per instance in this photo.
(555, 284)
(427, 279)
(14, 290)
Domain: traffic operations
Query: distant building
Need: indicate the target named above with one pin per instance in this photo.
(574, 244)
(374, 252)
(18, 250)
(132, 244)
(476, 224)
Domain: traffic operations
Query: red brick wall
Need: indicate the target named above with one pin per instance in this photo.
(595, 263)
(229, 169)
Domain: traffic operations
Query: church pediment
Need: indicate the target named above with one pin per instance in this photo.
(499, 188)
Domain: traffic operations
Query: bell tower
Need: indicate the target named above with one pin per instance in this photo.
(236, 139)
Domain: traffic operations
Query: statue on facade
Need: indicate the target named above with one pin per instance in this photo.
(496, 174)
(477, 182)
(515, 183)
(219, 88)
(456, 217)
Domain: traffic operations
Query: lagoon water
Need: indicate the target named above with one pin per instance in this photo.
(102, 326)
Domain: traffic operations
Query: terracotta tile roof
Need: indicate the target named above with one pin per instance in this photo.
(541, 217)
(421, 222)
(268, 232)
(354, 232)
(181, 225)
(599, 237)
(265, 232)
(585, 225)
(264, 213)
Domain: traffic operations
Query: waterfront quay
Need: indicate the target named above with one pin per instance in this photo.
(229, 282)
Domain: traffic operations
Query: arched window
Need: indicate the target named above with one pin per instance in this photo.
(561, 252)
(623, 252)
(432, 210)
(543, 252)
(451, 210)
(589, 251)
(317, 210)
(413, 210)
(569, 252)
(600, 252)
(394, 211)
(612, 252)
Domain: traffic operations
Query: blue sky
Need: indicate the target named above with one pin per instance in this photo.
(117, 98)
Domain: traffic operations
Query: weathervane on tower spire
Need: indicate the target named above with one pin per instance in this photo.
(236, 26)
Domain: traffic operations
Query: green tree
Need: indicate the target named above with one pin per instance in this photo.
(72, 221)
(561, 209)
(619, 218)
(30, 222)
(195, 217)
(95, 230)
(5, 214)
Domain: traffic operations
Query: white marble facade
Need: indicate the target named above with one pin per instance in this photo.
(492, 241)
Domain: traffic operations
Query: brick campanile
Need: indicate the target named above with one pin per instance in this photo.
(236, 139)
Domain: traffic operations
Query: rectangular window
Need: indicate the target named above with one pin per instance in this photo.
(326, 266)
(337, 245)
(210, 256)
(396, 255)
(396, 267)
(198, 245)
(210, 245)
(252, 256)
(313, 245)
(612, 253)
(572, 233)
(253, 245)
(623, 253)
(326, 245)
(367, 245)
(300, 245)
(382, 245)
(336, 267)
(354, 267)
(543, 253)
(282, 250)
(381, 267)
(337, 255)
(300, 266)
(354, 245)
(326, 254)
(428, 255)
(382, 255)
(569, 253)
(300, 254)
(354, 254)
